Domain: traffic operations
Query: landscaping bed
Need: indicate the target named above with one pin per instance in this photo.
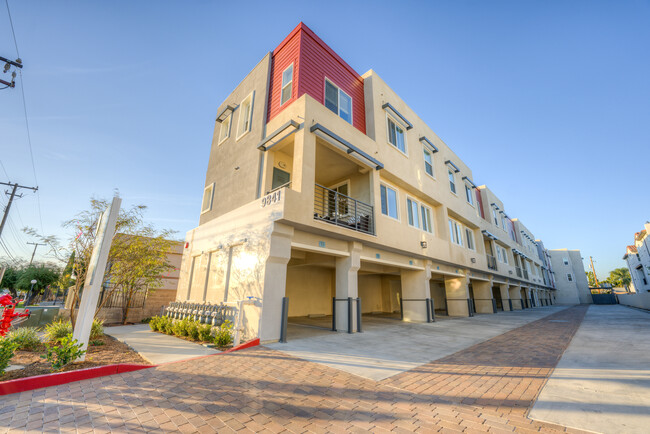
(110, 352)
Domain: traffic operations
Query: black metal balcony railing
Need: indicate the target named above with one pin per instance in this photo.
(525, 274)
(518, 270)
(491, 262)
(336, 208)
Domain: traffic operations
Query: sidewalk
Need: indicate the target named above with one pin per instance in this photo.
(156, 347)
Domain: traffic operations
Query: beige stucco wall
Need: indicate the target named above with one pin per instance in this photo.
(640, 300)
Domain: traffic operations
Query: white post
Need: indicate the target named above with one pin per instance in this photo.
(95, 274)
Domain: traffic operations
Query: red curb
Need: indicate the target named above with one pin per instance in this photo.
(58, 378)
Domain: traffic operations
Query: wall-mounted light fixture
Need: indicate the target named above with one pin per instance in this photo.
(423, 244)
(473, 260)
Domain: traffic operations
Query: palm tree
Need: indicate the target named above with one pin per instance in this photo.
(620, 277)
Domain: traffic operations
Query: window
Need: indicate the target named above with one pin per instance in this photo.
(224, 132)
(503, 223)
(208, 192)
(452, 181)
(412, 210)
(505, 255)
(245, 116)
(388, 201)
(499, 254)
(287, 82)
(428, 161)
(469, 193)
(338, 101)
(427, 223)
(569, 277)
(396, 135)
(469, 236)
(455, 232)
(494, 214)
(566, 261)
(280, 178)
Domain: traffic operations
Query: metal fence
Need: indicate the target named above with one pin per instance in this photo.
(205, 313)
(333, 207)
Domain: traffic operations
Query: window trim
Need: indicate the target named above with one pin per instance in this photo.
(250, 116)
(469, 192)
(389, 186)
(209, 208)
(227, 136)
(338, 99)
(470, 231)
(396, 122)
(456, 231)
(416, 203)
(451, 174)
(431, 214)
(282, 85)
(569, 277)
(426, 150)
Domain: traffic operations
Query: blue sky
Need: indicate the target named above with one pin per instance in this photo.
(548, 102)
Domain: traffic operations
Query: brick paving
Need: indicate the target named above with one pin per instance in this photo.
(485, 388)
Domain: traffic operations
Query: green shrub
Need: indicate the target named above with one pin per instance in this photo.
(168, 326)
(193, 330)
(7, 349)
(154, 323)
(179, 328)
(146, 320)
(97, 329)
(63, 352)
(58, 330)
(96, 343)
(205, 332)
(25, 337)
(223, 335)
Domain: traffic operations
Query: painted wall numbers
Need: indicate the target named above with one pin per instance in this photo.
(272, 198)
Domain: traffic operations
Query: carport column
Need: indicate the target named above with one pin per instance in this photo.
(482, 296)
(515, 295)
(505, 296)
(347, 286)
(526, 297)
(415, 289)
(275, 282)
(457, 292)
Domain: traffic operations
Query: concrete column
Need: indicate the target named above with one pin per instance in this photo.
(415, 288)
(457, 291)
(515, 296)
(275, 282)
(505, 296)
(304, 161)
(526, 296)
(347, 286)
(482, 296)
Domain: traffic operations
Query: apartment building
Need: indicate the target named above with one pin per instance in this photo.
(570, 277)
(326, 194)
(637, 257)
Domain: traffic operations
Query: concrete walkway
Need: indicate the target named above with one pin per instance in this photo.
(156, 347)
(602, 382)
(388, 347)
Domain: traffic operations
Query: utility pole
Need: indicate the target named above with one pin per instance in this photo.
(14, 188)
(2, 273)
(593, 270)
(35, 246)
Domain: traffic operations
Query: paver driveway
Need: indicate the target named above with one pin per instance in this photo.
(487, 387)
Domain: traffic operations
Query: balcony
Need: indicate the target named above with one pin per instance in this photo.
(333, 207)
(491, 262)
(518, 270)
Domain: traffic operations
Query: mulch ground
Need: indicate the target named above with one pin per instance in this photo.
(111, 352)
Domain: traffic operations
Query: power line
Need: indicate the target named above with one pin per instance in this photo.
(4, 170)
(11, 22)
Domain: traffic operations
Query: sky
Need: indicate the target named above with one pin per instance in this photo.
(548, 102)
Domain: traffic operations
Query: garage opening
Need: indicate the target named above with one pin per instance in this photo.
(439, 296)
(496, 294)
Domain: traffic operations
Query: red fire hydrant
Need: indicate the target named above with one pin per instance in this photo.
(9, 313)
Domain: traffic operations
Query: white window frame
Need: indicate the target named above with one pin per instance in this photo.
(389, 187)
(494, 214)
(469, 236)
(338, 99)
(569, 277)
(283, 85)
(211, 196)
(413, 210)
(503, 223)
(403, 127)
(429, 219)
(225, 123)
(241, 133)
(427, 151)
(469, 194)
(452, 180)
(565, 261)
(456, 232)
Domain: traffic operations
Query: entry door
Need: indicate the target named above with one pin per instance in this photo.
(280, 178)
(337, 204)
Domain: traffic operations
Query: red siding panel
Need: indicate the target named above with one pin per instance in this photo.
(479, 203)
(313, 62)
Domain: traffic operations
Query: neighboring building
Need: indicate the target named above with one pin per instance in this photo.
(637, 257)
(322, 183)
(570, 277)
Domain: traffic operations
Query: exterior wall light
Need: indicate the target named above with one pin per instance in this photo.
(423, 244)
